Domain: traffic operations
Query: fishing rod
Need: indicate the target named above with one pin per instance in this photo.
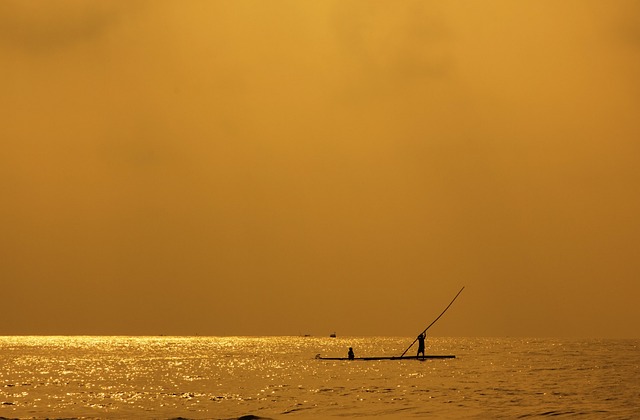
(434, 321)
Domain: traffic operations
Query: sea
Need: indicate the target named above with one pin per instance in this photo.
(83, 377)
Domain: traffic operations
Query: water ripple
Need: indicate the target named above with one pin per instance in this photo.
(205, 377)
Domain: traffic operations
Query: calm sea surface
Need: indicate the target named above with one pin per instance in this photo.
(279, 378)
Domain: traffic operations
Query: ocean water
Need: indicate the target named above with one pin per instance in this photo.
(279, 378)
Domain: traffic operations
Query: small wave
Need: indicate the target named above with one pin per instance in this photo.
(555, 413)
(551, 413)
(245, 417)
(296, 408)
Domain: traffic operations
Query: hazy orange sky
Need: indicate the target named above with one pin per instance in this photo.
(304, 167)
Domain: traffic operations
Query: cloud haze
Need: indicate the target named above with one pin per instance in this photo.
(284, 167)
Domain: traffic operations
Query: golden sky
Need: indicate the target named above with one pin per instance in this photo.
(288, 167)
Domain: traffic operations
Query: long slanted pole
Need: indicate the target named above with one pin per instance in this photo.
(434, 321)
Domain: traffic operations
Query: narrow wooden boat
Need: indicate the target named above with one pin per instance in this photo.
(421, 337)
(427, 357)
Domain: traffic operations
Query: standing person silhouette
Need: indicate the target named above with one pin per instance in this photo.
(350, 354)
(421, 339)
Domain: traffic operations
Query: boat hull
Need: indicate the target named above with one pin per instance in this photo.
(427, 357)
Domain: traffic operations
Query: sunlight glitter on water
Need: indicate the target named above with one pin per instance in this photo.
(164, 377)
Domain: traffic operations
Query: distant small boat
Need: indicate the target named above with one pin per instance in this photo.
(332, 335)
(427, 357)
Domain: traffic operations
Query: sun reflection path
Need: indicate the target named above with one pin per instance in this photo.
(173, 376)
